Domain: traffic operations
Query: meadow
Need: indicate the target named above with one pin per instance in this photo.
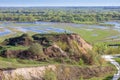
(91, 33)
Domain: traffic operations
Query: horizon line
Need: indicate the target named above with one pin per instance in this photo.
(65, 6)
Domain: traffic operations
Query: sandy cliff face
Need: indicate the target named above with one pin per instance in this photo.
(33, 73)
(81, 42)
(62, 72)
(72, 41)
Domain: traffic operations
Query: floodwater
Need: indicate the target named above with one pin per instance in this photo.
(5, 32)
(50, 27)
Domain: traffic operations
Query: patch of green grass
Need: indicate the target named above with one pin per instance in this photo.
(107, 25)
(108, 77)
(16, 47)
(88, 34)
(117, 60)
(17, 63)
(62, 45)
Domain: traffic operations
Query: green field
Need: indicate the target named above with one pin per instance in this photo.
(90, 34)
(101, 34)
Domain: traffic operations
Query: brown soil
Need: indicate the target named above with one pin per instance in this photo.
(73, 41)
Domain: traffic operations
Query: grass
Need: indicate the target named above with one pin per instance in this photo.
(16, 47)
(106, 77)
(102, 34)
(6, 63)
(18, 63)
(117, 60)
(50, 75)
(107, 25)
(88, 35)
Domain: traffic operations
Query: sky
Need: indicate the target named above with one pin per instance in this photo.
(29, 3)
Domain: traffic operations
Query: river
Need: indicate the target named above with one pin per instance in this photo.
(110, 58)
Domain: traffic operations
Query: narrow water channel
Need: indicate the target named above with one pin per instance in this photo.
(110, 58)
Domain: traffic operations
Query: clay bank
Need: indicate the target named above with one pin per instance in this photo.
(61, 72)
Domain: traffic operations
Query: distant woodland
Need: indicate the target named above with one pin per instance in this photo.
(60, 14)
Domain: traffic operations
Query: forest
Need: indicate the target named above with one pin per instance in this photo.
(86, 15)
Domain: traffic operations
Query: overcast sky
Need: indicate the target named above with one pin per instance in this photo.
(59, 3)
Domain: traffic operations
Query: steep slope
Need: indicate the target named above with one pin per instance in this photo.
(54, 45)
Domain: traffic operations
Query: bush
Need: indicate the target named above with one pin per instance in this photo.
(81, 62)
(75, 49)
(100, 48)
(36, 49)
(87, 59)
(62, 45)
(91, 57)
(66, 73)
(50, 75)
(113, 50)
(94, 58)
(2, 49)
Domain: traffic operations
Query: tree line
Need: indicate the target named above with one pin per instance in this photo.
(70, 15)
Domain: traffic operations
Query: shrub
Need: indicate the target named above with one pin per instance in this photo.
(66, 73)
(62, 45)
(100, 48)
(87, 59)
(2, 49)
(81, 78)
(112, 50)
(90, 58)
(94, 58)
(70, 61)
(81, 62)
(36, 49)
(50, 75)
(75, 48)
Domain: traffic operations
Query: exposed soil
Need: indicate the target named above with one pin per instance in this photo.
(73, 42)
(61, 72)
